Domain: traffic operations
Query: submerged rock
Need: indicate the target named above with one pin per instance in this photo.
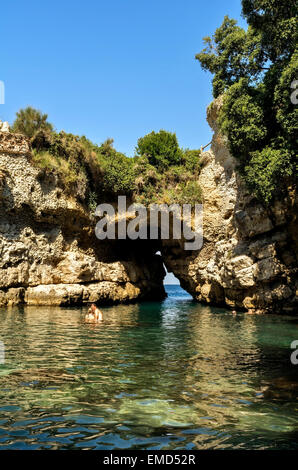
(282, 388)
(38, 378)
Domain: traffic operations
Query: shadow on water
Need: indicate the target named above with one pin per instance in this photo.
(156, 375)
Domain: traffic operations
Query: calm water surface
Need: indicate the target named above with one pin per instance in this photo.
(168, 375)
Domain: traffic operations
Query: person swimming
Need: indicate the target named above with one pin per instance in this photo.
(94, 315)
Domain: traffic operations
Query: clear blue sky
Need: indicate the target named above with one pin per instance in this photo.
(117, 68)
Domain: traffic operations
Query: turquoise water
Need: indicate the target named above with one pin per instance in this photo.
(164, 375)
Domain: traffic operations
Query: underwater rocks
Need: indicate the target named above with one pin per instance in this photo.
(39, 378)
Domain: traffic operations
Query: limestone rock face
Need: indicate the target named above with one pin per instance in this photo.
(49, 254)
(249, 255)
(4, 126)
(103, 292)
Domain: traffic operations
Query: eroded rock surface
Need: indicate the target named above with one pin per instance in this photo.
(249, 255)
(49, 254)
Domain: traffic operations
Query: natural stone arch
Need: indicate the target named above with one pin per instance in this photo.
(50, 255)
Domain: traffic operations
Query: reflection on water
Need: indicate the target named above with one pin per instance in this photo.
(165, 375)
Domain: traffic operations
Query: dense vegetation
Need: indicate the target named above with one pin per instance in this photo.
(29, 121)
(160, 171)
(161, 148)
(254, 70)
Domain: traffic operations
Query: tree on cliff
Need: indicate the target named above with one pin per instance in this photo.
(254, 69)
(29, 120)
(161, 148)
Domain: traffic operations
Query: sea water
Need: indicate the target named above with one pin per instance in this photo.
(156, 375)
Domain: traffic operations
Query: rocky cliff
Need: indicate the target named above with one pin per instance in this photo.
(49, 254)
(249, 256)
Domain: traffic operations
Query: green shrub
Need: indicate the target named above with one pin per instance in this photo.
(118, 174)
(29, 120)
(108, 172)
(190, 193)
(92, 201)
(191, 160)
(49, 162)
(265, 171)
(161, 149)
(242, 120)
(98, 172)
(254, 70)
